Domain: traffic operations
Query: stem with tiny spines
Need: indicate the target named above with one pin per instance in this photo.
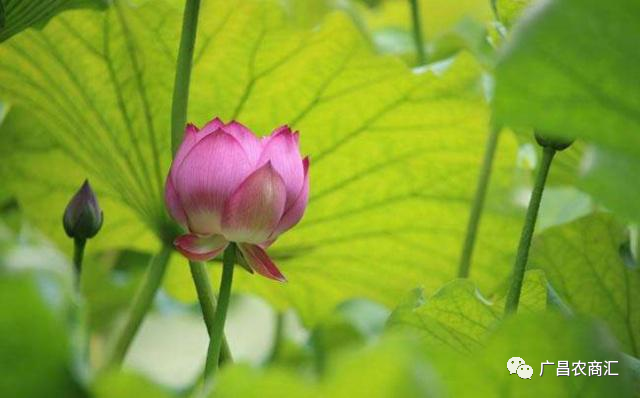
(178, 120)
(478, 203)
(519, 267)
(208, 304)
(183, 72)
(278, 335)
(78, 255)
(217, 333)
(141, 304)
(416, 23)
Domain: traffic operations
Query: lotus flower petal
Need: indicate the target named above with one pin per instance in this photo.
(200, 248)
(173, 203)
(209, 174)
(281, 148)
(294, 213)
(255, 208)
(250, 143)
(211, 127)
(260, 262)
(188, 141)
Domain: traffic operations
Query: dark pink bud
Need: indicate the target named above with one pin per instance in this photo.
(83, 216)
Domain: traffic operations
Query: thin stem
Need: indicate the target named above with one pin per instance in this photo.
(80, 331)
(417, 31)
(183, 72)
(78, 256)
(215, 343)
(478, 203)
(494, 8)
(278, 335)
(208, 304)
(319, 351)
(555, 302)
(519, 267)
(141, 304)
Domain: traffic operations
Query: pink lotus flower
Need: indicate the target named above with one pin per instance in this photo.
(226, 185)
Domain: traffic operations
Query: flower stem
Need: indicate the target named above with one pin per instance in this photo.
(494, 8)
(417, 32)
(208, 304)
(478, 203)
(215, 343)
(78, 255)
(278, 335)
(319, 351)
(141, 304)
(519, 267)
(183, 72)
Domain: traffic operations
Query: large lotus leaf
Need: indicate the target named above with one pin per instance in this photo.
(571, 69)
(587, 263)
(17, 15)
(457, 316)
(394, 154)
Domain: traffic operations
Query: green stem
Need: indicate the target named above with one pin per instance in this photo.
(141, 304)
(208, 304)
(555, 302)
(417, 31)
(78, 255)
(277, 338)
(183, 72)
(494, 8)
(478, 203)
(215, 343)
(319, 351)
(519, 267)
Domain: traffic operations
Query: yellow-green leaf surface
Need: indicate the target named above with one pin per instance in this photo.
(437, 15)
(394, 155)
(585, 264)
(17, 15)
(122, 384)
(510, 10)
(458, 317)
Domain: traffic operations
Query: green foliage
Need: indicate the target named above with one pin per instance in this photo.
(17, 15)
(536, 339)
(33, 351)
(394, 367)
(404, 367)
(606, 174)
(509, 11)
(584, 262)
(548, 78)
(123, 384)
(458, 317)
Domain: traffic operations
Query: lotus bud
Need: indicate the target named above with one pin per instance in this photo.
(559, 144)
(83, 216)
